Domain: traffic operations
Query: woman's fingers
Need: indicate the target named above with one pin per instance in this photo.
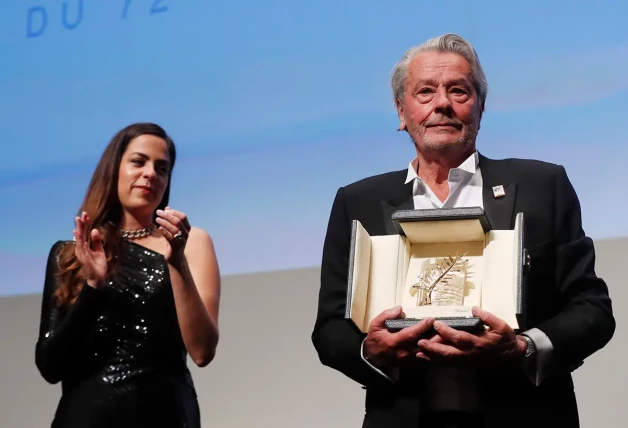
(79, 229)
(165, 224)
(77, 237)
(169, 236)
(79, 247)
(82, 246)
(177, 218)
(97, 241)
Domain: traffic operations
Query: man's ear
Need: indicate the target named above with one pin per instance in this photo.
(480, 116)
(402, 121)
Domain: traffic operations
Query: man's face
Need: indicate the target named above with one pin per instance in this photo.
(440, 109)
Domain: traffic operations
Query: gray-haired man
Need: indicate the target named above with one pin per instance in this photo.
(455, 379)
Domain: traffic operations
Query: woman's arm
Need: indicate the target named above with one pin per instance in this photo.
(196, 287)
(61, 332)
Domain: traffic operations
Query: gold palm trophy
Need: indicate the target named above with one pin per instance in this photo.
(442, 281)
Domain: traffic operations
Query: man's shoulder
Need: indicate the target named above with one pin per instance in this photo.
(520, 167)
(523, 163)
(375, 184)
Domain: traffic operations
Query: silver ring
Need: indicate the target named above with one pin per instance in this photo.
(178, 235)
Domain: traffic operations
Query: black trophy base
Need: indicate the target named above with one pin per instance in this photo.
(471, 325)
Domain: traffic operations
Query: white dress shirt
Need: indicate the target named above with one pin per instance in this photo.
(465, 190)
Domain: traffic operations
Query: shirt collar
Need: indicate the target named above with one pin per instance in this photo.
(470, 166)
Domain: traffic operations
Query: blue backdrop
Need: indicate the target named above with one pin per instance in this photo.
(275, 104)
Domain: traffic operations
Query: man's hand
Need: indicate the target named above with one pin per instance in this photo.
(383, 348)
(498, 344)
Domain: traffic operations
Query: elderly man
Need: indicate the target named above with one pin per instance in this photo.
(496, 378)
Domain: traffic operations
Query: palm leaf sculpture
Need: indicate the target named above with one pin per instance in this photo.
(438, 274)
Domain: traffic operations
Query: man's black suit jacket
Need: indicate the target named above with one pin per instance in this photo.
(565, 299)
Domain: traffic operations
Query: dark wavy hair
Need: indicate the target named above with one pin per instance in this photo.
(102, 205)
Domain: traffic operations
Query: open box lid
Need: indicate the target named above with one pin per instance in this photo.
(418, 226)
(452, 224)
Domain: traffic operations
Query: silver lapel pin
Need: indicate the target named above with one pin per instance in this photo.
(498, 191)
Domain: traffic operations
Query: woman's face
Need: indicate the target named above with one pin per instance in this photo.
(143, 174)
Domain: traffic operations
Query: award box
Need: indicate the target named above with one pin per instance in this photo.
(440, 264)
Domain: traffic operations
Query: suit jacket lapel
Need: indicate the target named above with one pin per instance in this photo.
(499, 210)
(400, 199)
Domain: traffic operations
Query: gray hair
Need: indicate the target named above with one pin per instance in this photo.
(445, 43)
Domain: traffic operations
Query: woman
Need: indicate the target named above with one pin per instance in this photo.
(134, 294)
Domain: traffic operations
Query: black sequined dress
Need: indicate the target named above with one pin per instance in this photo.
(118, 351)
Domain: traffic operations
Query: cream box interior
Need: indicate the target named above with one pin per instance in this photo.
(384, 270)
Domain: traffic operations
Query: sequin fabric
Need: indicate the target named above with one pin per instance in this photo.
(137, 330)
(118, 351)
